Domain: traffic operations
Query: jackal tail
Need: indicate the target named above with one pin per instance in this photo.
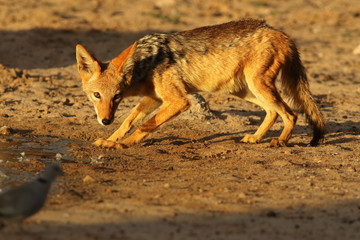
(295, 82)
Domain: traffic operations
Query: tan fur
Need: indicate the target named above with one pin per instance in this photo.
(242, 58)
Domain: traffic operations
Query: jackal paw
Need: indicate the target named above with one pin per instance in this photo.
(108, 144)
(250, 138)
(277, 143)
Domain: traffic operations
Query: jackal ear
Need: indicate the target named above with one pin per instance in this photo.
(119, 61)
(87, 64)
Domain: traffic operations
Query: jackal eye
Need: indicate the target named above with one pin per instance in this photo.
(117, 96)
(97, 95)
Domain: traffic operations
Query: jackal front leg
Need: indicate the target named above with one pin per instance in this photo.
(167, 111)
(144, 108)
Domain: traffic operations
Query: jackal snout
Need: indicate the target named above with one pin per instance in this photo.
(105, 121)
(105, 111)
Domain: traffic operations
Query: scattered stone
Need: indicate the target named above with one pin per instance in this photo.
(88, 179)
(22, 157)
(94, 160)
(199, 108)
(3, 175)
(241, 195)
(357, 50)
(6, 130)
(352, 169)
(167, 185)
(58, 157)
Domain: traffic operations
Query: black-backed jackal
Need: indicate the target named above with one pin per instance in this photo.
(242, 58)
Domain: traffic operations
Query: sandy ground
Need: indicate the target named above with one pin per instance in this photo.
(191, 179)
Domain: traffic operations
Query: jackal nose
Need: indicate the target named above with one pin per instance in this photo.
(106, 121)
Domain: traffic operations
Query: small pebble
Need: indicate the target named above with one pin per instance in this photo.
(3, 175)
(94, 160)
(356, 50)
(88, 179)
(22, 157)
(241, 195)
(5, 130)
(58, 157)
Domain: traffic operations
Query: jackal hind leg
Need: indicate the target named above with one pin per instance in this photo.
(144, 108)
(262, 85)
(267, 123)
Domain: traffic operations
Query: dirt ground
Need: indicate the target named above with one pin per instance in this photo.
(191, 179)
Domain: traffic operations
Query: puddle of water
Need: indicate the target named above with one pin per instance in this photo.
(42, 149)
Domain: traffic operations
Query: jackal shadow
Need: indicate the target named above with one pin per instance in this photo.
(52, 48)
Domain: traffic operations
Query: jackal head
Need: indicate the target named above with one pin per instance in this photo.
(102, 82)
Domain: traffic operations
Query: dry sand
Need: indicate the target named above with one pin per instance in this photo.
(191, 179)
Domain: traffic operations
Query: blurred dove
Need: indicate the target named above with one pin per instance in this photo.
(23, 201)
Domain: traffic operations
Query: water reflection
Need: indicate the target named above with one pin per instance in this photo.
(40, 148)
